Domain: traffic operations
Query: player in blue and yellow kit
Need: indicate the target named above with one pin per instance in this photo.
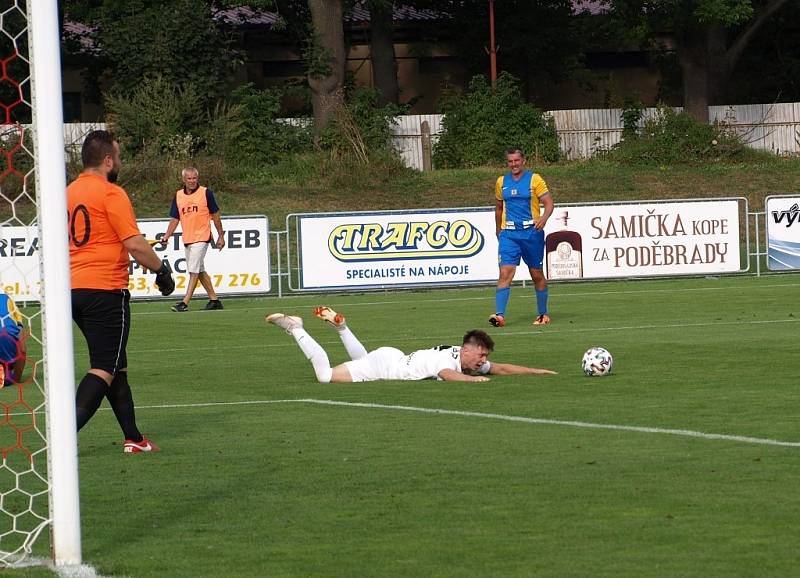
(12, 344)
(523, 205)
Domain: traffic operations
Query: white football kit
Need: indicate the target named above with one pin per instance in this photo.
(391, 363)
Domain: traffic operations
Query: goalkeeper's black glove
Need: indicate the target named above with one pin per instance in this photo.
(164, 280)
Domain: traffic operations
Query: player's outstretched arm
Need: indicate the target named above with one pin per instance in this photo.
(511, 369)
(453, 375)
(220, 233)
(140, 250)
(173, 224)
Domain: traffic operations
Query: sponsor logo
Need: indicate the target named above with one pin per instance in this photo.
(405, 240)
(790, 216)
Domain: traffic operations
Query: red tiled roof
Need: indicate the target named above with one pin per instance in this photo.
(244, 15)
(360, 13)
(590, 6)
(247, 16)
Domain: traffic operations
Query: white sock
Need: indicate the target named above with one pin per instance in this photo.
(315, 354)
(351, 343)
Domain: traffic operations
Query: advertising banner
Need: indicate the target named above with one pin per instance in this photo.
(459, 246)
(19, 263)
(783, 232)
(643, 239)
(241, 267)
(397, 248)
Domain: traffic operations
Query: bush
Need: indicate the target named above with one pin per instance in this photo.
(632, 113)
(670, 137)
(162, 119)
(265, 138)
(361, 129)
(478, 126)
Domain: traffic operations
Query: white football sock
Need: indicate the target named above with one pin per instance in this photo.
(351, 343)
(315, 354)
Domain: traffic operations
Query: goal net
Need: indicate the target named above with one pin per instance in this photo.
(33, 486)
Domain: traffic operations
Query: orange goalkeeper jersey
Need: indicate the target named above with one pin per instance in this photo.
(100, 217)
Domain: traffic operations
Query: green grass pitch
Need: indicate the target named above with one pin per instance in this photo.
(256, 477)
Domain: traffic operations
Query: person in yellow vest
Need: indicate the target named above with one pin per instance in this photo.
(194, 207)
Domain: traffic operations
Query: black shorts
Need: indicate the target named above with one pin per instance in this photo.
(104, 318)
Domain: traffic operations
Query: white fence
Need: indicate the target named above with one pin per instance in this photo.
(773, 127)
(74, 133)
(408, 136)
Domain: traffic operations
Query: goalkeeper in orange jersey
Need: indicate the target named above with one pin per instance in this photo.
(104, 236)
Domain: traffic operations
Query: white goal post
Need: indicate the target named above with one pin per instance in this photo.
(38, 494)
(45, 47)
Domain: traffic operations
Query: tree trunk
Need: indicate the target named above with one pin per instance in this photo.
(692, 57)
(326, 70)
(717, 63)
(384, 64)
(740, 44)
(707, 62)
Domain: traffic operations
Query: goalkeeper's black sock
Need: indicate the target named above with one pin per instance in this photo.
(91, 391)
(121, 399)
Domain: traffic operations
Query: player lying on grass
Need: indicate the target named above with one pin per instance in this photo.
(467, 362)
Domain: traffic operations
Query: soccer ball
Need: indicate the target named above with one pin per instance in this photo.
(597, 361)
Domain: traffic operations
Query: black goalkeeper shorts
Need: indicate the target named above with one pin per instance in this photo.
(104, 318)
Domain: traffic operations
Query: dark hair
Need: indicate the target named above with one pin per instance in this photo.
(96, 146)
(515, 151)
(479, 338)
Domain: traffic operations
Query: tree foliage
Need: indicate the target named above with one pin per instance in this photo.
(161, 118)
(538, 42)
(673, 138)
(480, 125)
(769, 70)
(265, 138)
(132, 40)
(362, 125)
(710, 37)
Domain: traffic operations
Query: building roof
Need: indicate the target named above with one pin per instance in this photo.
(590, 6)
(360, 13)
(246, 16)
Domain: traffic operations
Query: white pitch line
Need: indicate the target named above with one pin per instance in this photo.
(501, 417)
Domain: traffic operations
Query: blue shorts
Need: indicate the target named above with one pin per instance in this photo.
(526, 243)
(9, 352)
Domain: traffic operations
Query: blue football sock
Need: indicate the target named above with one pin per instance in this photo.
(501, 300)
(541, 300)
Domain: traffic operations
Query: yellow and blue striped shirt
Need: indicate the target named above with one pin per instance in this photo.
(10, 317)
(520, 199)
